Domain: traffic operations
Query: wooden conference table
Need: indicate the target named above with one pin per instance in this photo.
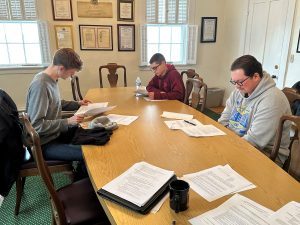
(149, 139)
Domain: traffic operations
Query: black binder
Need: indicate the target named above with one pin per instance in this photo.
(143, 209)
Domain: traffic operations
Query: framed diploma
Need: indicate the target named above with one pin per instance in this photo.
(126, 10)
(126, 37)
(95, 37)
(62, 10)
(64, 36)
(208, 29)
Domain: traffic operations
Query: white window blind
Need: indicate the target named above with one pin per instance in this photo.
(24, 40)
(167, 11)
(18, 10)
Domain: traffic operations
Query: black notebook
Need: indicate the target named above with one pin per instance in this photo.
(145, 208)
(139, 188)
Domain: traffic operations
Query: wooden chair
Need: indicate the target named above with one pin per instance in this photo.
(76, 88)
(291, 94)
(190, 73)
(73, 204)
(294, 159)
(195, 85)
(112, 76)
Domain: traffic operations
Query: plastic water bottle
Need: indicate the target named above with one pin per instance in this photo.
(138, 84)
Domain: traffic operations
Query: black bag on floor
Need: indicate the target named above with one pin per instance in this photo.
(95, 136)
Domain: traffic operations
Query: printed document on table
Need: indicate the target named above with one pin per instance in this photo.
(202, 131)
(154, 100)
(139, 183)
(179, 124)
(216, 182)
(179, 116)
(93, 109)
(237, 210)
(287, 215)
(122, 119)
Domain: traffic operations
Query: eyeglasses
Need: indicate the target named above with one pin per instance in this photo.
(240, 83)
(153, 69)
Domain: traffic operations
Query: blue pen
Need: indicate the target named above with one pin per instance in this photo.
(190, 122)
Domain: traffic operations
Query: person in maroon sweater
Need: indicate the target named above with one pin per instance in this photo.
(167, 82)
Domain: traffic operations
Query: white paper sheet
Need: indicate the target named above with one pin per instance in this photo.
(160, 203)
(202, 131)
(216, 182)
(238, 210)
(154, 100)
(122, 119)
(179, 124)
(94, 109)
(287, 215)
(179, 116)
(139, 183)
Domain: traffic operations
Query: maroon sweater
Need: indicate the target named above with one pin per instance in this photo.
(171, 83)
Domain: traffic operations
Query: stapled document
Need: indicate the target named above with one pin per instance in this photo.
(122, 119)
(179, 124)
(216, 182)
(179, 116)
(202, 131)
(287, 215)
(93, 109)
(237, 210)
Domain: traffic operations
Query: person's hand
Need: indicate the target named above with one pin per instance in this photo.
(84, 102)
(75, 120)
(151, 95)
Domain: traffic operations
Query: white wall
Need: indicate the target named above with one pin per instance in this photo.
(213, 63)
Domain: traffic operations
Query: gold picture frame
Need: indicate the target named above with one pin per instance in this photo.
(64, 36)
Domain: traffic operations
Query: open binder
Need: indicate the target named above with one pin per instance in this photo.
(145, 208)
(139, 188)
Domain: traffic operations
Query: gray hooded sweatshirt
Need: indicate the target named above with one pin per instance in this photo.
(44, 107)
(256, 118)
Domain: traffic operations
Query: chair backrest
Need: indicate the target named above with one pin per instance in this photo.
(112, 76)
(195, 85)
(291, 94)
(33, 140)
(76, 88)
(294, 165)
(190, 73)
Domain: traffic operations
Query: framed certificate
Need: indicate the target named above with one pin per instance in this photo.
(208, 29)
(126, 37)
(62, 9)
(64, 36)
(95, 37)
(126, 10)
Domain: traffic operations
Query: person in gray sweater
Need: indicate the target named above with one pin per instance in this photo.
(44, 107)
(255, 106)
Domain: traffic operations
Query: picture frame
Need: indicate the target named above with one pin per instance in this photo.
(126, 10)
(62, 10)
(126, 37)
(64, 36)
(298, 45)
(208, 29)
(96, 37)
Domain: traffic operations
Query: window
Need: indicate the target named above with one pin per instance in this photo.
(23, 39)
(167, 31)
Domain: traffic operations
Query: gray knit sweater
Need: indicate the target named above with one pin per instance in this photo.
(44, 107)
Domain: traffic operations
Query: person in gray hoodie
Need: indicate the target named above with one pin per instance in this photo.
(255, 106)
(44, 107)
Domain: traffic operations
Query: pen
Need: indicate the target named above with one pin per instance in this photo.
(189, 122)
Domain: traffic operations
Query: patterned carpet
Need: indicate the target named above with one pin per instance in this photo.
(35, 205)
